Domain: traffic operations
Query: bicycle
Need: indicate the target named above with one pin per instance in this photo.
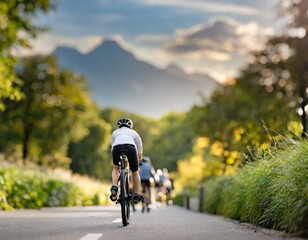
(125, 197)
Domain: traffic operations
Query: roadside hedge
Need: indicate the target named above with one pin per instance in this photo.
(23, 188)
(271, 192)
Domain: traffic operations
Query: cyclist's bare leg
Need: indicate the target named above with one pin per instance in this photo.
(144, 191)
(148, 191)
(115, 174)
(136, 181)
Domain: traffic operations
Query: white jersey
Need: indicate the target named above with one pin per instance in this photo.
(126, 135)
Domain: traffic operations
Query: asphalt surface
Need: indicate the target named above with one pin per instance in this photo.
(104, 223)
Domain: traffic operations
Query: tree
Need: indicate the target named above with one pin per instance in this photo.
(252, 113)
(170, 141)
(91, 154)
(16, 18)
(297, 10)
(260, 108)
(50, 114)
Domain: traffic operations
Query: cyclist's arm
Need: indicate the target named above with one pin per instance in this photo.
(138, 142)
(152, 172)
(140, 157)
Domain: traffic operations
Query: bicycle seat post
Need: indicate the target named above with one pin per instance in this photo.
(123, 159)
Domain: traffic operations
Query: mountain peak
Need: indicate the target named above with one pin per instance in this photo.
(118, 79)
(66, 50)
(110, 50)
(108, 45)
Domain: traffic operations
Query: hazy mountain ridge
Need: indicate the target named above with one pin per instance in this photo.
(118, 79)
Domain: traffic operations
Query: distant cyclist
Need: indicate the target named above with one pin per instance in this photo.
(146, 173)
(168, 184)
(126, 138)
(164, 186)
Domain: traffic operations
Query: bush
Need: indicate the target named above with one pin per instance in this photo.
(24, 188)
(178, 200)
(271, 192)
(60, 194)
(289, 187)
(213, 192)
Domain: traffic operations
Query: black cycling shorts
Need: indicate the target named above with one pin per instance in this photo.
(132, 155)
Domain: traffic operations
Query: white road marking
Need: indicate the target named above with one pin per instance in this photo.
(92, 236)
(117, 220)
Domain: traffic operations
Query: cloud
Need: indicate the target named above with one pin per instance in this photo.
(206, 6)
(151, 38)
(219, 47)
(218, 39)
(46, 43)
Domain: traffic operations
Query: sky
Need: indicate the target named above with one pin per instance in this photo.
(201, 36)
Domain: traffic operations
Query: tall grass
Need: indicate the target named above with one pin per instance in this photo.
(271, 192)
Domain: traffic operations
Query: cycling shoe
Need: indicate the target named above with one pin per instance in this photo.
(114, 193)
(138, 198)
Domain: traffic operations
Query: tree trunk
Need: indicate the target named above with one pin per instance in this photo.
(26, 140)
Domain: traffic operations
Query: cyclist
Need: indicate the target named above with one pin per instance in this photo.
(168, 185)
(146, 173)
(126, 138)
(164, 186)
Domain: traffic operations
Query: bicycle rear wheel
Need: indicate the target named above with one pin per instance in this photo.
(125, 211)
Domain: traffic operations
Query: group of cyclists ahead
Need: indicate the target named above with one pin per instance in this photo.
(142, 170)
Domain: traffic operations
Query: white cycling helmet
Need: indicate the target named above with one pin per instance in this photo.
(125, 122)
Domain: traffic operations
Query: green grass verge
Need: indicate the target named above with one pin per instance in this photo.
(271, 192)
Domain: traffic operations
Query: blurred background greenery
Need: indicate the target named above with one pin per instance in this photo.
(48, 121)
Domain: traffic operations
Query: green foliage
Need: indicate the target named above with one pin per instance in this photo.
(250, 114)
(239, 121)
(26, 191)
(7, 78)
(213, 202)
(91, 155)
(15, 17)
(271, 192)
(289, 206)
(20, 188)
(60, 193)
(170, 141)
(51, 114)
(179, 200)
(56, 123)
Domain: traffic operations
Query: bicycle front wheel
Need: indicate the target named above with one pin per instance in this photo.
(125, 211)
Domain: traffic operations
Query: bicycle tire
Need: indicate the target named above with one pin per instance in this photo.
(128, 199)
(125, 211)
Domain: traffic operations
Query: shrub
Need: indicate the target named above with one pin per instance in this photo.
(31, 188)
(178, 200)
(271, 192)
(60, 194)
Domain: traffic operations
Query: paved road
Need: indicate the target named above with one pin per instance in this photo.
(104, 223)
